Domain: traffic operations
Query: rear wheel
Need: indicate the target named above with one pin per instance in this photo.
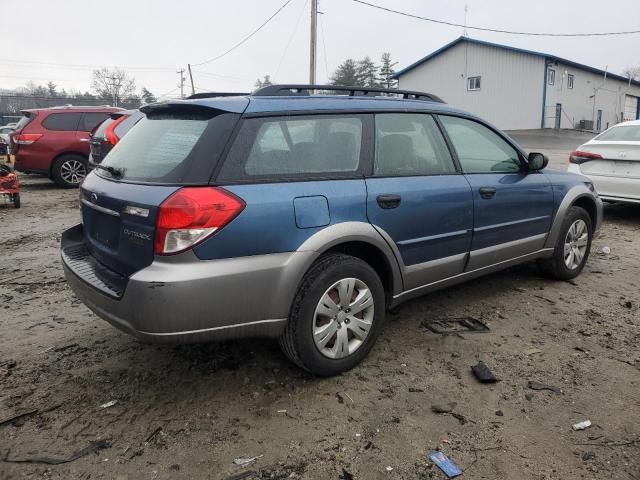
(69, 170)
(572, 247)
(336, 316)
(16, 200)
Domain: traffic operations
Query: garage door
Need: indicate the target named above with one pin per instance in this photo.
(631, 107)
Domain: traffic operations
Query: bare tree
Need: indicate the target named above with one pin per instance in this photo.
(632, 72)
(114, 85)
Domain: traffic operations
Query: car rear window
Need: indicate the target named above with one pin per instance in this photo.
(64, 122)
(91, 119)
(171, 148)
(99, 133)
(627, 133)
(299, 147)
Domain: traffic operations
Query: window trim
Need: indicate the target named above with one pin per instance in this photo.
(454, 159)
(521, 155)
(479, 78)
(570, 80)
(551, 76)
(365, 162)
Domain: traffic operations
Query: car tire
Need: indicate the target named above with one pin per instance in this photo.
(328, 338)
(68, 171)
(16, 200)
(572, 247)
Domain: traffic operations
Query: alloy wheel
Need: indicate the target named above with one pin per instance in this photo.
(73, 171)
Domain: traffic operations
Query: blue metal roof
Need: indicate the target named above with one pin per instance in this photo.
(546, 56)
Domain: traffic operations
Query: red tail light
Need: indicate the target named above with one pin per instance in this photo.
(192, 214)
(110, 134)
(26, 138)
(579, 157)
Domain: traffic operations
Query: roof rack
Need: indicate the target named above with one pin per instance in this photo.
(216, 94)
(305, 90)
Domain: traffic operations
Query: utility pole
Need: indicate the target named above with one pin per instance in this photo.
(182, 80)
(115, 89)
(193, 89)
(314, 38)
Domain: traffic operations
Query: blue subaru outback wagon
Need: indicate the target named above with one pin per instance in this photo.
(303, 216)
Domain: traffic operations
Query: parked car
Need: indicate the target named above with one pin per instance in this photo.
(55, 141)
(612, 162)
(305, 217)
(4, 136)
(4, 147)
(105, 135)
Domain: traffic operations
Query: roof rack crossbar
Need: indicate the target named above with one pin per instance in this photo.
(306, 89)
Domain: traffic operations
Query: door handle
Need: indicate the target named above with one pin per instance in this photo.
(388, 201)
(487, 192)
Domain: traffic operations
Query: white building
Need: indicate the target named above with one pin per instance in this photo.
(519, 89)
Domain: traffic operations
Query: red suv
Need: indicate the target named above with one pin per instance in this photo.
(55, 141)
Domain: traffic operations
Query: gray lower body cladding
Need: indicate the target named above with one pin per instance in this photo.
(184, 299)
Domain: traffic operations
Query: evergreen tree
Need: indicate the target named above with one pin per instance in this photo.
(53, 89)
(263, 83)
(367, 73)
(387, 71)
(147, 97)
(346, 74)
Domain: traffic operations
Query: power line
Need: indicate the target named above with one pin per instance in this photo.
(31, 63)
(495, 30)
(324, 48)
(245, 38)
(293, 34)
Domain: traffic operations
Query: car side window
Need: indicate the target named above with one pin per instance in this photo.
(410, 144)
(479, 149)
(90, 120)
(295, 147)
(62, 122)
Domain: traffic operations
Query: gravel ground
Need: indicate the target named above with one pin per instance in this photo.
(188, 411)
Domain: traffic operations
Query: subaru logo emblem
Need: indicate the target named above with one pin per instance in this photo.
(94, 197)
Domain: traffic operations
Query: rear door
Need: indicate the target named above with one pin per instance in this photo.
(164, 152)
(417, 199)
(512, 208)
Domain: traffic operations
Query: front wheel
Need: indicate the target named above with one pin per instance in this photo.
(572, 247)
(336, 316)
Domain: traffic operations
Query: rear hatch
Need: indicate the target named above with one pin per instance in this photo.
(176, 145)
(99, 145)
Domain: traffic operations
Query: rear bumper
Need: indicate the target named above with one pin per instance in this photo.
(184, 299)
(613, 188)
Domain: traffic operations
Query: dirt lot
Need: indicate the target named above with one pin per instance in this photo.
(189, 411)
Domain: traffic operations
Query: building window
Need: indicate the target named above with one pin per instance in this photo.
(473, 83)
(569, 81)
(551, 76)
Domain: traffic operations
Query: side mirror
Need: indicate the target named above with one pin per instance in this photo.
(536, 161)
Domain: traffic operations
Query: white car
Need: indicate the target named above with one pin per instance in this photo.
(612, 162)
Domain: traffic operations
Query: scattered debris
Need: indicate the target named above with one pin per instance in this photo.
(65, 347)
(152, 434)
(339, 397)
(582, 425)
(449, 468)
(246, 461)
(532, 351)
(443, 408)
(529, 396)
(606, 250)
(389, 469)
(415, 390)
(282, 411)
(6, 366)
(500, 413)
(241, 475)
(483, 373)
(543, 386)
(110, 403)
(347, 395)
(345, 475)
(93, 446)
(455, 326)
(23, 415)
(461, 418)
(586, 456)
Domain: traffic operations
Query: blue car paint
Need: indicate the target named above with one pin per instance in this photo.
(268, 223)
(522, 207)
(434, 218)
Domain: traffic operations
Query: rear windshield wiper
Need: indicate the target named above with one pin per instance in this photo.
(115, 172)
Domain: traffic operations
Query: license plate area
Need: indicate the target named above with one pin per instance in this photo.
(105, 230)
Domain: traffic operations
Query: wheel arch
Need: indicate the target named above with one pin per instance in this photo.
(580, 196)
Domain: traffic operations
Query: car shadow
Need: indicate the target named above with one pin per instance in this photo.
(621, 213)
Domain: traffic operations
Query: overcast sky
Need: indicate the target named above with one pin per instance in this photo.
(63, 41)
